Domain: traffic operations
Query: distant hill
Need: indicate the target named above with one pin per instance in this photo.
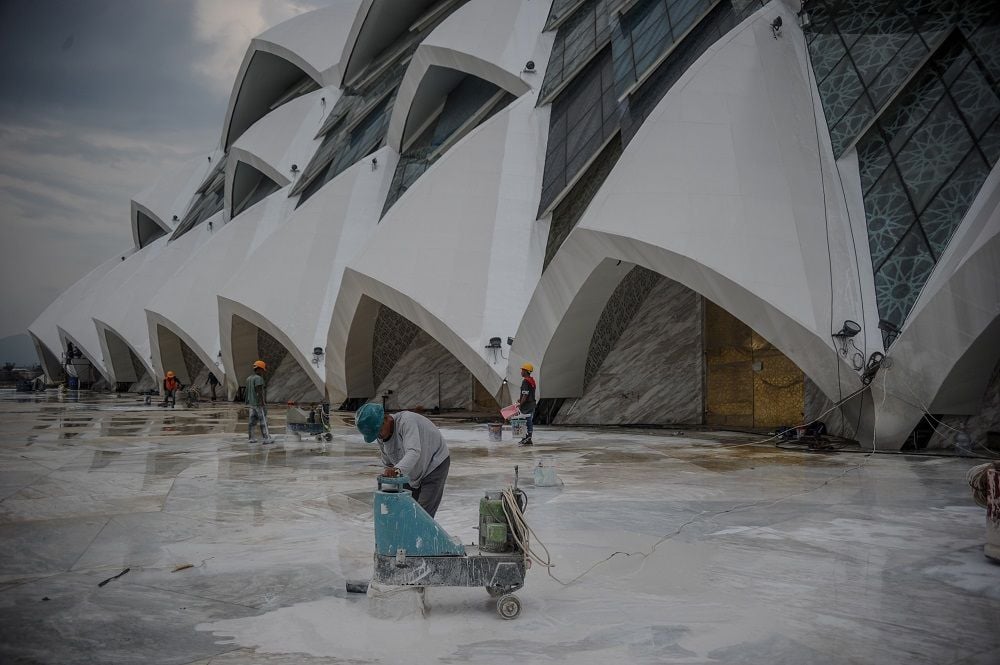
(18, 349)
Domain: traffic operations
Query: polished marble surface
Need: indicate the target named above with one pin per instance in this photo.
(237, 553)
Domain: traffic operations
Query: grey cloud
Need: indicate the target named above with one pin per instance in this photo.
(116, 64)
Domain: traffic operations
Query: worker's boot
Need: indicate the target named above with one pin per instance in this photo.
(526, 441)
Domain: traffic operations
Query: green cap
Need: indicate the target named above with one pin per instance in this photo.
(369, 420)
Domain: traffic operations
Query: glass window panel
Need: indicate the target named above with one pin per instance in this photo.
(899, 281)
(825, 52)
(839, 91)
(680, 8)
(577, 40)
(845, 131)
(642, 16)
(582, 117)
(873, 157)
(990, 143)
(933, 152)
(949, 60)
(911, 107)
(683, 23)
(943, 215)
(976, 98)
(853, 24)
(898, 70)
(872, 52)
(588, 127)
(933, 20)
(558, 9)
(578, 161)
(984, 42)
(889, 215)
(650, 40)
(974, 13)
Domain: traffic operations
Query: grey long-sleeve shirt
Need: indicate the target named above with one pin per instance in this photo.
(416, 446)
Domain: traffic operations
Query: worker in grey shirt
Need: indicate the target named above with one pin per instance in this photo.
(412, 446)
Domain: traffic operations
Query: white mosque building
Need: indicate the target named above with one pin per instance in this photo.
(723, 213)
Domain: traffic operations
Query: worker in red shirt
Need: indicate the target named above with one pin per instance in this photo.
(170, 387)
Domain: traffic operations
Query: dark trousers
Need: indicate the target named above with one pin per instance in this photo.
(428, 495)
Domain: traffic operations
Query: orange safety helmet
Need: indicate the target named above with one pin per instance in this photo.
(528, 367)
(170, 375)
(261, 364)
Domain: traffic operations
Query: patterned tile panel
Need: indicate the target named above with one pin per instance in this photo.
(922, 78)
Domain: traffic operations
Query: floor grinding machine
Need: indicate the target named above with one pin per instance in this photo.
(411, 549)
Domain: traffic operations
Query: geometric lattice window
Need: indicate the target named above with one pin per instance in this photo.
(922, 164)
(913, 85)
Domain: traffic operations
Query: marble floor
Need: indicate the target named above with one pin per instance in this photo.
(130, 534)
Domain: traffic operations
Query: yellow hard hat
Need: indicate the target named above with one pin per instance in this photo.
(170, 375)
(528, 366)
(261, 364)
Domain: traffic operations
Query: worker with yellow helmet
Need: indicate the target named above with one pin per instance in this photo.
(526, 402)
(256, 400)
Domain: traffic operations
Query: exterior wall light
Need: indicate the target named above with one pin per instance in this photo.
(889, 332)
(317, 355)
(846, 332)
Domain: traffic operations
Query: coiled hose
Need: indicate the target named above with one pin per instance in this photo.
(976, 477)
(520, 530)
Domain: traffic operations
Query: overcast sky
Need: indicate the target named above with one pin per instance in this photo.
(98, 97)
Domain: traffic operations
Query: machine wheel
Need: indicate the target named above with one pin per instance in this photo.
(508, 606)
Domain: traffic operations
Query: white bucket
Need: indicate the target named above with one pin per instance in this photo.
(519, 426)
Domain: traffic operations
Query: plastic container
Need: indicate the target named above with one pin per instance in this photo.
(496, 431)
(73, 382)
(519, 426)
(545, 473)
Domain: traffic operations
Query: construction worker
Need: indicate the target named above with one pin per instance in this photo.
(170, 387)
(213, 382)
(526, 403)
(410, 445)
(256, 399)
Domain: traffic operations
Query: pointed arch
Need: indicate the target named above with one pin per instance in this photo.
(147, 227)
(349, 342)
(165, 340)
(54, 371)
(65, 337)
(270, 75)
(124, 363)
(242, 344)
(433, 73)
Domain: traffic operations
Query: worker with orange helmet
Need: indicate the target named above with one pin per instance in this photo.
(526, 403)
(171, 384)
(256, 399)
